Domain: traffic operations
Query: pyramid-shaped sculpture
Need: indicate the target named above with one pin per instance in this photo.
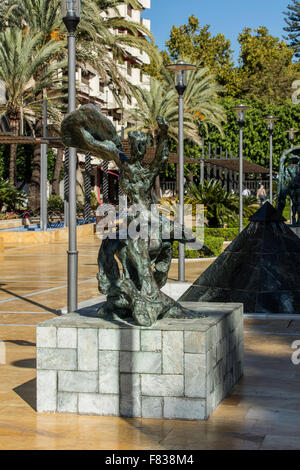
(260, 268)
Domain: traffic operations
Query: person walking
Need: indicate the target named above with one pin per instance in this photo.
(246, 192)
(261, 195)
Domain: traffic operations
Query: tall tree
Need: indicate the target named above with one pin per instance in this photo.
(266, 66)
(19, 62)
(101, 42)
(162, 99)
(293, 26)
(198, 44)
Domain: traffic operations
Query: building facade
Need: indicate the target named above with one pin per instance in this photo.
(92, 88)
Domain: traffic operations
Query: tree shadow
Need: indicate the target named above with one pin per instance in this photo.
(27, 392)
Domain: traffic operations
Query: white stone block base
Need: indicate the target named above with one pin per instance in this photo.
(177, 369)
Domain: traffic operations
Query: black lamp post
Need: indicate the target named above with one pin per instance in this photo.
(71, 17)
(270, 120)
(241, 111)
(180, 69)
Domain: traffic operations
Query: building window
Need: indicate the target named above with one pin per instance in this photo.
(129, 71)
(141, 76)
(101, 86)
(129, 10)
(85, 77)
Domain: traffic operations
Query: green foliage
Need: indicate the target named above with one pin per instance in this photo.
(220, 206)
(265, 72)
(188, 253)
(79, 208)
(266, 66)
(94, 201)
(227, 234)
(24, 162)
(51, 164)
(292, 20)
(198, 43)
(287, 210)
(200, 101)
(22, 60)
(55, 204)
(100, 39)
(256, 135)
(215, 244)
(10, 195)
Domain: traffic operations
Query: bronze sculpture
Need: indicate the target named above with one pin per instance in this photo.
(134, 292)
(289, 183)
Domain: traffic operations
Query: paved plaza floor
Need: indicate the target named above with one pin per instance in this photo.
(263, 412)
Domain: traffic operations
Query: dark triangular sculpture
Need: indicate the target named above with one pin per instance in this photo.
(260, 268)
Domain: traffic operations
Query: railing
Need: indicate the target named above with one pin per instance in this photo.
(168, 188)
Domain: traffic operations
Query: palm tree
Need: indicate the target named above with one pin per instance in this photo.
(19, 62)
(162, 99)
(220, 205)
(101, 40)
(102, 43)
(151, 103)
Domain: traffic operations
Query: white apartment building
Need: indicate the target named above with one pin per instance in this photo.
(91, 86)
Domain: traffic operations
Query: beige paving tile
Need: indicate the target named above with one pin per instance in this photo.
(262, 412)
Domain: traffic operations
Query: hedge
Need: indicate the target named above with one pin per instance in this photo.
(228, 234)
(215, 244)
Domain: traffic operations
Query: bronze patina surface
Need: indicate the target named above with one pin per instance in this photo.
(289, 183)
(134, 292)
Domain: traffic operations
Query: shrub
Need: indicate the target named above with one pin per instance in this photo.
(228, 234)
(79, 208)
(188, 253)
(215, 244)
(11, 196)
(55, 204)
(94, 201)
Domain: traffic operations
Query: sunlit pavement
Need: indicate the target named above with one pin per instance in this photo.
(263, 412)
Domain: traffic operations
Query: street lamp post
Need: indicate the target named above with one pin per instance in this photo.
(241, 111)
(180, 83)
(291, 132)
(270, 120)
(44, 164)
(71, 17)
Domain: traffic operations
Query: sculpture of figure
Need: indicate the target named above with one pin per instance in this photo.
(145, 261)
(289, 182)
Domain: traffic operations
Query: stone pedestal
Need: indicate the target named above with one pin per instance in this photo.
(178, 369)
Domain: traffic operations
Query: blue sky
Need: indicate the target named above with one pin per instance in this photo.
(225, 16)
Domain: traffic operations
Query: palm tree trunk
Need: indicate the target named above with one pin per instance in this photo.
(34, 186)
(57, 170)
(12, 164)
(14, 126)
(157, 186)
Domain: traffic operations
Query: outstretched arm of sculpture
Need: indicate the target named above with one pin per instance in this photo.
(89, 130)
(162, 149)
(284, 177)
